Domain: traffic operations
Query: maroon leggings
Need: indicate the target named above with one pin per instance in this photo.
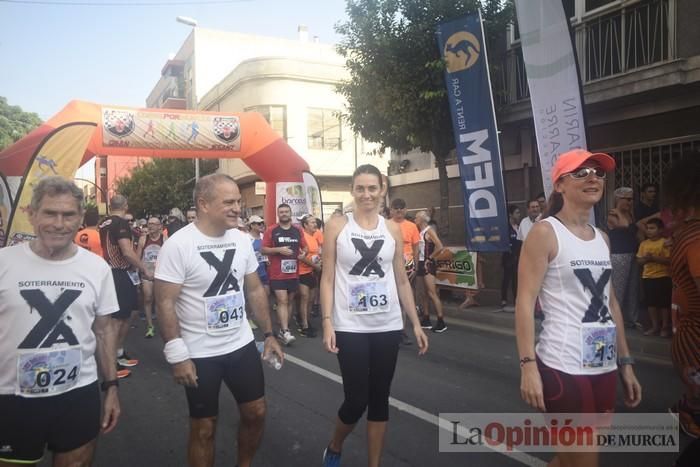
(577, 393)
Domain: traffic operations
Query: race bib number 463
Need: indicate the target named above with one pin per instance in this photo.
(370, 297)
(47, 372)
(224, 313)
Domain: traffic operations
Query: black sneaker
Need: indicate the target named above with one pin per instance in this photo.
(439, 326)
(425, 323)
(308, 332)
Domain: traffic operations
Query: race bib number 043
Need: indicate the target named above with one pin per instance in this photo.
(47, 372)
(598, 344)
(224, 313)
(371, 297)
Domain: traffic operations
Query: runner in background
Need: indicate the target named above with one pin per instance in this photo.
(431, 247)
(149, 246)
(283, 243)
(309, 268)
(89, 237)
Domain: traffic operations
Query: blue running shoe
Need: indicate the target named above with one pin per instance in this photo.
(331, 458)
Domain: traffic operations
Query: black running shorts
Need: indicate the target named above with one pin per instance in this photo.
(240, 370)
(290, 285)
(127, 294)
(63, 423)
(308, 280)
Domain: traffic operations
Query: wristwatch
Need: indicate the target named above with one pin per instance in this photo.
(107, 384)
(625, 361)
(268, 334)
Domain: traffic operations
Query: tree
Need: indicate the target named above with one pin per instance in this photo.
(161, 184)
(15, 123)
(396, 92)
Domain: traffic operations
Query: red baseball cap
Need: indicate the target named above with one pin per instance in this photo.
(572, 160)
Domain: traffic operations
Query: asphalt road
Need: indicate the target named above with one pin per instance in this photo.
(466, 370)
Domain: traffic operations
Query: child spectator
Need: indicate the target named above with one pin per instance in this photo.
(654, 256)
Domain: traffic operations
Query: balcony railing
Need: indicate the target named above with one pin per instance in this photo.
(608, 44)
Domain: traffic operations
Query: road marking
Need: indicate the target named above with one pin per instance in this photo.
(523, 458)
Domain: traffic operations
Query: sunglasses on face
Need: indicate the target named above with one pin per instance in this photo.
(585, 172)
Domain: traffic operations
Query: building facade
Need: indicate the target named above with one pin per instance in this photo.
(292, 83)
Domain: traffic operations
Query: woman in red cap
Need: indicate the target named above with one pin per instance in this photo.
(565, 262)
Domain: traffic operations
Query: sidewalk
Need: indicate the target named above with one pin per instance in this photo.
(494, 319)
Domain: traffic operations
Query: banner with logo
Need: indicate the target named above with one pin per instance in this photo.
(456, 267)
(293, 194)
(5, 207)
(313, 195)
(553, 79)
(163, 130)
(474, 123)
(60, 154)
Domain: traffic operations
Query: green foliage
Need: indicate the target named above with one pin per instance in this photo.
(15, 123)
(161, 184)
(396, 92)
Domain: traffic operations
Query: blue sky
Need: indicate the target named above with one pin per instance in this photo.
(51, 54)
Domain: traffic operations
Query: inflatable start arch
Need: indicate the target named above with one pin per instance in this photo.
(83, 130)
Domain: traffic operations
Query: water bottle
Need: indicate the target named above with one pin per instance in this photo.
(273, 360)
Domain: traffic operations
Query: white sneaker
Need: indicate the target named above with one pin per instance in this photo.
(286, 337)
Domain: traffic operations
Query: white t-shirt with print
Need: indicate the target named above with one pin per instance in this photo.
(211, 305)
(47, 309)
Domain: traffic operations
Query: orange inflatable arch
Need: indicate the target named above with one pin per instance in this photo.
(83, 130)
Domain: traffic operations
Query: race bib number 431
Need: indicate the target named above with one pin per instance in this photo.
(47, 372)
(224, 313)
(370, 297)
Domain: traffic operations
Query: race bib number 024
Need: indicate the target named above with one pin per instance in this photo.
(224, 313)
(598, 344)
(47, 372)
(371, 297)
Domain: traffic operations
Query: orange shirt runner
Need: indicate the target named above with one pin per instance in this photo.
(89, 238)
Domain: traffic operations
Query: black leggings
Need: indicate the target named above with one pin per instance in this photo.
(367, 363)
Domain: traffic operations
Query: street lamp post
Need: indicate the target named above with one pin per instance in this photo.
(190, 22)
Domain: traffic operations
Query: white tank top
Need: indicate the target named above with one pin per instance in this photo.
(421, 244)
(578, 333)
(365, 298)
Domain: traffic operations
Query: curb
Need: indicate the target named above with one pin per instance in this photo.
(655, 350)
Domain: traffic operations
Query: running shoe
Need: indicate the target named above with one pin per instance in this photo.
(297, 320)
(331, 458)
(125, 360)
(286, 337)
(425, 323)
(308, 332)
(440, 326)
(122, 372)
(150, 332)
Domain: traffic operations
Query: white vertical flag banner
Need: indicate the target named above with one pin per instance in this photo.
(552, 76)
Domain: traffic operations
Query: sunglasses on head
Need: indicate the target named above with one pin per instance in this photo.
(585, 172)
